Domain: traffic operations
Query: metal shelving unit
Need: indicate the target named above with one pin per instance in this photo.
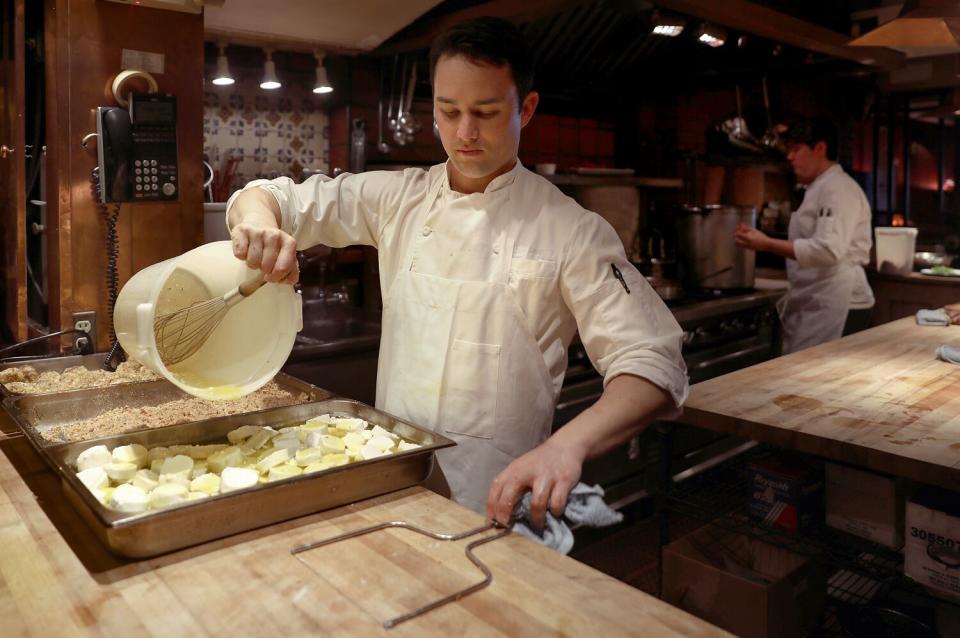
(859, 571)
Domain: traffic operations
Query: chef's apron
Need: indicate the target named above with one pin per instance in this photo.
(457, 356)
(815, 307)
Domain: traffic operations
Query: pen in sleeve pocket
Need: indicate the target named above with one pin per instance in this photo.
(619, 276)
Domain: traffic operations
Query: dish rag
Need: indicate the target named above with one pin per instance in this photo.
(950, 354)
(585, 506)
(936, 317)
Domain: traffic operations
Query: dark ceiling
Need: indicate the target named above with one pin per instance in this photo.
(604, 50)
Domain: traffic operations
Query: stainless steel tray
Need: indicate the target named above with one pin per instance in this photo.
(58, 364)
(156, 532)
(33, 414)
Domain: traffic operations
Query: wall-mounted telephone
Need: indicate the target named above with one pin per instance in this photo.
(137, 150)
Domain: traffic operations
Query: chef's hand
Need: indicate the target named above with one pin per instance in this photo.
(268, 249)
(750, 237)
(254, 219)
(549, 471)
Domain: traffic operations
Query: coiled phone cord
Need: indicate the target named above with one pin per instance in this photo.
(112, 276)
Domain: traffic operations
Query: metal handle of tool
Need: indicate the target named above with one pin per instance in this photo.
(488, 575)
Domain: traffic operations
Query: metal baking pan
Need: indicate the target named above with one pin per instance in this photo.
(156, 532)
(58, 364)
(36, 413)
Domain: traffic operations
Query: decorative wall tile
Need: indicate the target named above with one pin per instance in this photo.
(269, 135)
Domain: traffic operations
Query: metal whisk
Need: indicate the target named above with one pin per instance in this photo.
(181, 333)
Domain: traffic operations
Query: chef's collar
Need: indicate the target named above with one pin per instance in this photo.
(833, 170)
(497, 183)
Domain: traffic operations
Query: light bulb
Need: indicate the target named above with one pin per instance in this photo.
(222, 77)
(323, 83)
(270, 81)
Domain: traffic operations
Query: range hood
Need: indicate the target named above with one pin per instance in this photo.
(923, 28)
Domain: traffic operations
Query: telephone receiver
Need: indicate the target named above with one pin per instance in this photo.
(114, 149)
(137, 150)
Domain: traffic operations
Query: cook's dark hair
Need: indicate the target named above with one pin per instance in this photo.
(812, 130)
(491, 40)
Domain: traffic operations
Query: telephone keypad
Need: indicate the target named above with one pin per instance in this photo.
(156, 164)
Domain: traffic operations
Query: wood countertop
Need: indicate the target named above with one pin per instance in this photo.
(878, 399)
(56, 579)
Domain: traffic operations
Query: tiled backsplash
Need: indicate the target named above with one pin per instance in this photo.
(270, 133)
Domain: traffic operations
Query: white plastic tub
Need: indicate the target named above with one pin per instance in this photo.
(895, 248)
(247, 349)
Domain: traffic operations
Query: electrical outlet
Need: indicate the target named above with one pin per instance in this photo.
(86, 321)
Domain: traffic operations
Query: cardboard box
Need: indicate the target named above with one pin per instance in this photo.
(865, 504)
(786, 493)
(750, 588)
(931, 555)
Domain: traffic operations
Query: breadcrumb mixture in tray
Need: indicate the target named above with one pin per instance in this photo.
(181, 410)
(26, 379)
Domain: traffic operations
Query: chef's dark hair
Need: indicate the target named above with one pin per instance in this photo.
(491, 40)
(812, 130)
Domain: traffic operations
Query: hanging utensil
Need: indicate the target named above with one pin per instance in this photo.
(180, 334)
(391, 120)
(771, 138)
(399, 135)
(737, 132)
(408, 122)
(382, 146)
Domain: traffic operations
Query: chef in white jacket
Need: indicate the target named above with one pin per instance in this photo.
(828, 243)
(487, 272)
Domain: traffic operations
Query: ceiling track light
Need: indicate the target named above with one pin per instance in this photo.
(711, 35)
(270, 81)
(222, 77)
(323, 83)
(669, 26)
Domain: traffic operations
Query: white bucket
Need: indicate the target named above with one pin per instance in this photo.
(245, 351)
(895, 248)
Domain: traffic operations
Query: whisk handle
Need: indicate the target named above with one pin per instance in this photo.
(251, 285)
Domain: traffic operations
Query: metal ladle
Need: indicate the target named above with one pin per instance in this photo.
(382, 146)
(410, 124)
(391, 117)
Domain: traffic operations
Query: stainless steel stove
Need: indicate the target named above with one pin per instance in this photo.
(721, 333)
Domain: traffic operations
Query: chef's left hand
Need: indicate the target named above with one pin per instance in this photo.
(549, 471)
(750, 237)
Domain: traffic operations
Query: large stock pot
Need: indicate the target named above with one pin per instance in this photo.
(707, 252)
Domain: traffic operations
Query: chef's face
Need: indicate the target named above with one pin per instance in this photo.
(807, 161)
(479, 116)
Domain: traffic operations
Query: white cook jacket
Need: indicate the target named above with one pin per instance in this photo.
(483, 294)
(831, 239)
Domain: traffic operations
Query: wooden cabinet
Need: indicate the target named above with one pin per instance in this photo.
(12, 170)
(901, 296)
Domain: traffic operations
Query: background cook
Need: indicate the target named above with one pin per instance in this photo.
(828, 243)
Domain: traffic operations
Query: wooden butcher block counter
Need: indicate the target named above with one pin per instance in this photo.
(879, 399)
(57, 580)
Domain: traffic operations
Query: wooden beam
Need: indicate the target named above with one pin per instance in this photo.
(421, 33)
(780, 27)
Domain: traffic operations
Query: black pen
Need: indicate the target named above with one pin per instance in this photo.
(619, 276)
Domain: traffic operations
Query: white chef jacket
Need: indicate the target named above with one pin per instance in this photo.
(831, 239)
(560, 273)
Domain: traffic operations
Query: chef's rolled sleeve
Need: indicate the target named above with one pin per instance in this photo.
(623, 332)
(833, 232)
(343, 211)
